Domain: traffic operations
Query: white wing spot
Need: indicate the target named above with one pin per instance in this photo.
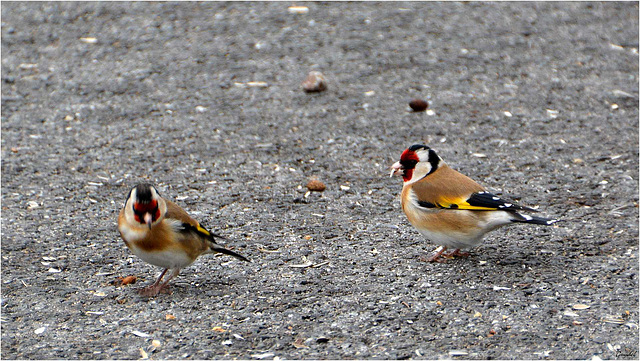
(508, 204)
(496, 198)
(527, 217)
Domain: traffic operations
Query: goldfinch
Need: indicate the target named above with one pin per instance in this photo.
(449, 208)
(163, 234)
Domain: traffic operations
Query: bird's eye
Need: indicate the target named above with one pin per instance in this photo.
(408, 163)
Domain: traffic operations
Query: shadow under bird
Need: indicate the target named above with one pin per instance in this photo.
(163, 234)
(449, 208)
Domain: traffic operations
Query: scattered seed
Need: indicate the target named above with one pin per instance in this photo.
(32, 205)
(143, 354)
(298, 9)
(577, 323)
(54, 270)
(257, 84)
(498, 288)
(261, 356)
(304, 265)
(238, 336)
(169, 317)
(477, 314)
(89, 40)
(219, 329)
(141, 334)
(94, 313)
(431, 112)
(370, 93)
(454, 353)
(156, 343)
(418, 105)
(40, 330)
(579, 306)
(613, 319)
(508, 114)
(227, 343)
(345, 188)
(479, 155)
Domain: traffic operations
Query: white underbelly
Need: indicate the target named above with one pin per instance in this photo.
(452, 239)
(165, 259)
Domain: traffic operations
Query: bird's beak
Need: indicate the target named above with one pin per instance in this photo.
(395, 168)
(148, 219)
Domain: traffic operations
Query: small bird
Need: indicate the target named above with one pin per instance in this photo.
(449, 208)
(163, 234)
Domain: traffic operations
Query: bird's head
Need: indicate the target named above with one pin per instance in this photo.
(145, 205)
(416, 162)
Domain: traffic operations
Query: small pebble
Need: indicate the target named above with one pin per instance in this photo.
(315, 82)
(315, 185)
(418, 105)
(89, 40)
(298, 9)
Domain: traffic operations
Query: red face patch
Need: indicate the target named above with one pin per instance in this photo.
(408, 160)
(140, 209)
(409, 156)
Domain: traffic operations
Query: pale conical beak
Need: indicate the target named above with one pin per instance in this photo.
(148, 219)
(395, 168)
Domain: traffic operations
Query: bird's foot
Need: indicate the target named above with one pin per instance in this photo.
(436, 257)
(154, 290)
(457, 253)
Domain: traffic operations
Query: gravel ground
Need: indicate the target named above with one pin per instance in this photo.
(97, 97)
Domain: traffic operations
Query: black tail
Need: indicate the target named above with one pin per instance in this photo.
(219, 249)
(525, 218)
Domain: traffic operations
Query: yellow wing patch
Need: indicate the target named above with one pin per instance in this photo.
(461, 203)
(202, 230)
(479, 201)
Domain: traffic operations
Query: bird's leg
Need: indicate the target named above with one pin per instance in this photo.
(165, 286)
(153, 289)
(436, 257)
(457, 253)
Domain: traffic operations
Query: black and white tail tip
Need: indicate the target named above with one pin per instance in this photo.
(535, 220)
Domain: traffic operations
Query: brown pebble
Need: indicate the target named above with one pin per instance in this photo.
(418, 105)
(315, 185)
(314, 82)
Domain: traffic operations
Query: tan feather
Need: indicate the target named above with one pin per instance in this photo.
(457, 187)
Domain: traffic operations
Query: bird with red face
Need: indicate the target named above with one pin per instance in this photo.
(449, 208)
(163, 234)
